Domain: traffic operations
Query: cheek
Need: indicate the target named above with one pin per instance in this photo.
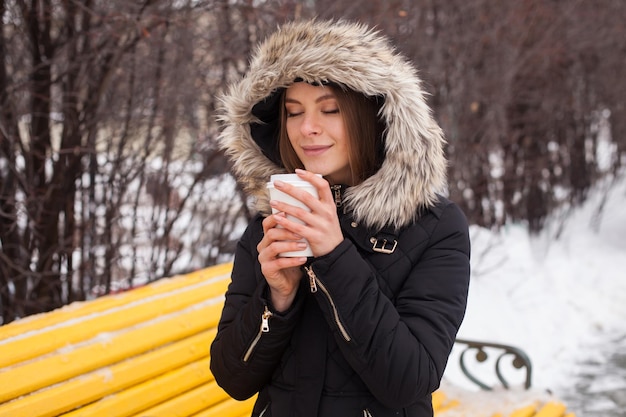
(292, 130)
(292, 135)
(341, 134)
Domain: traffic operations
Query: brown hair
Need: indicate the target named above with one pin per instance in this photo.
(364, 129)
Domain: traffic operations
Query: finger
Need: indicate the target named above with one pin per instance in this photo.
(268, 223)
(281, 233)
(322, 186)
(311, 177)
(301, 221)
(301, 194)
(276, 233)
(273, 266)
(285, 209)
(286, 262)
(272, 251)
(295, 192)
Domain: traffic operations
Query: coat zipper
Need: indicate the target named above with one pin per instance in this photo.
(264, 410)
(337, 193)
(314, 282)
(265, 328)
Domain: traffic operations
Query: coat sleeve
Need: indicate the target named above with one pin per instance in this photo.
(243, 356)
(399, 349)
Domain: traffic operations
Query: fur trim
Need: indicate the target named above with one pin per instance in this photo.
(414, 168)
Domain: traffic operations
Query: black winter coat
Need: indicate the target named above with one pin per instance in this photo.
(374, 320)
(369, 333)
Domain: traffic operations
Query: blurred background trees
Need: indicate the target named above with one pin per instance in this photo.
(109, 173)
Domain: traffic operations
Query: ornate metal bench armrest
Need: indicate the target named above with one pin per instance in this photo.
(520, 360)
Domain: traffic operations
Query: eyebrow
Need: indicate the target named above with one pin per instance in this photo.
(317, 100)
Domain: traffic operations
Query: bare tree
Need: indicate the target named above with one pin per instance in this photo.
(520, 88)
(107, 155)
(108, 165)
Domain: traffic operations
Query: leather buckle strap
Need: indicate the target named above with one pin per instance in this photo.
(385, 246)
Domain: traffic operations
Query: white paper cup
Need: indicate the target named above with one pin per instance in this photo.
(277, 195)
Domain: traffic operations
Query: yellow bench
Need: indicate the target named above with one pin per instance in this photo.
(144, 352)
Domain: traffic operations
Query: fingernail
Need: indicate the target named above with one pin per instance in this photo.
(278, 183)
(300, 171)
(302, 245)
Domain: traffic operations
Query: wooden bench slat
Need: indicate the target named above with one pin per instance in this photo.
(442, 403)
(148, 394)
(104, 350)
(80, 309)
(552, 409)
(87, 388)
(229, 408)
(449, 405)
(189, 403)
(527, 411)
(129, 314)
(438, 399)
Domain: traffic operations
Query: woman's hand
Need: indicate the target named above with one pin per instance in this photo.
(282, 274)
(321, 228)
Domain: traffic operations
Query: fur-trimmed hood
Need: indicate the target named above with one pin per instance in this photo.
(361, 59)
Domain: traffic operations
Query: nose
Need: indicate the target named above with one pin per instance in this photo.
(310, 124)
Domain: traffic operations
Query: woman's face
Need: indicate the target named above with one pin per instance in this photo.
(317, 131)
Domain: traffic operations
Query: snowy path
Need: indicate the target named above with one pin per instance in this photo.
(562, 301)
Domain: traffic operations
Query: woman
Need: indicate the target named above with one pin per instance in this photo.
(365, 326)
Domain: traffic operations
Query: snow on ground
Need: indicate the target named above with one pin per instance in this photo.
(558, 299)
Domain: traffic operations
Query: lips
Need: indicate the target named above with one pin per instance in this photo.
(315, 150)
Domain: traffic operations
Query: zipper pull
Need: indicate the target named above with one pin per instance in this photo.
(265, 320)
(312, 278)
(337, 191)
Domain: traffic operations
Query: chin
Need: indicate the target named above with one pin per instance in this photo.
(317, 170)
